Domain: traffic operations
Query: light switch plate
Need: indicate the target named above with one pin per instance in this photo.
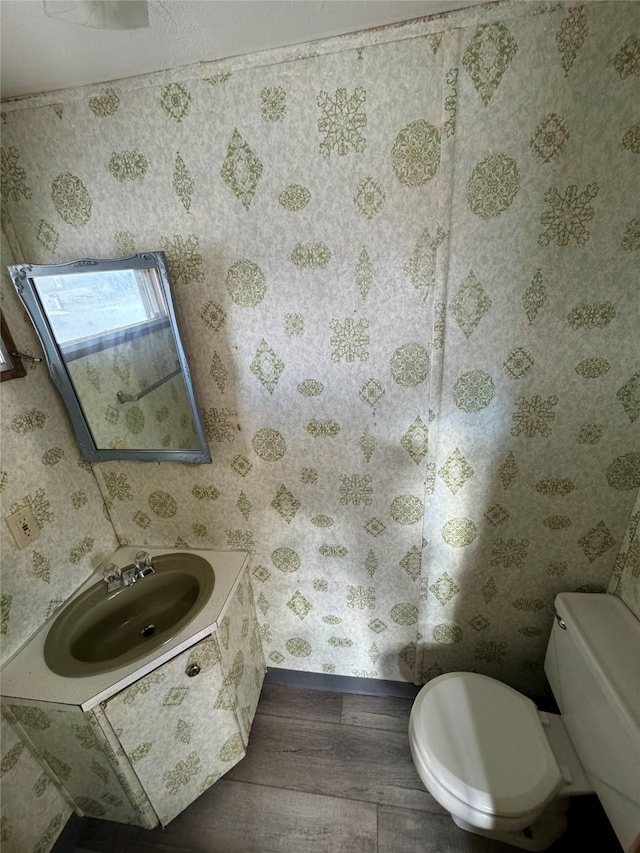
(23, 526)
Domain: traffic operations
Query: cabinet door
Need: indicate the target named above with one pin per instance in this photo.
(241, 652)
(176, 728)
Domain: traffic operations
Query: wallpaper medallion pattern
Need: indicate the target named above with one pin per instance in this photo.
(405, 274)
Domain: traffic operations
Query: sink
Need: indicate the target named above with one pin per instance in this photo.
(99, 631)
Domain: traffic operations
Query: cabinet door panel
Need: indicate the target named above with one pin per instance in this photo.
(178, 732)
(241, 651)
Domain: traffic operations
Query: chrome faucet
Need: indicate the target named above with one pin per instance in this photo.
(116, 578)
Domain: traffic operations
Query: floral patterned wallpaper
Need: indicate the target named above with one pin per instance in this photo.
(404, 264)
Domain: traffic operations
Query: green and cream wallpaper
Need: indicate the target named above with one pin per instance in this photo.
(406, 270)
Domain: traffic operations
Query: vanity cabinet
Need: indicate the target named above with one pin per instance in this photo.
(144, 754)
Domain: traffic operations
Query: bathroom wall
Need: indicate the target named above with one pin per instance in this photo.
(403, 263)
(40, 467)
(625, 580)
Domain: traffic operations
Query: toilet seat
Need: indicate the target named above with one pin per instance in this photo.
(483, 743)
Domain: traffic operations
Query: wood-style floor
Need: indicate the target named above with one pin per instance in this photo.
(326, 773)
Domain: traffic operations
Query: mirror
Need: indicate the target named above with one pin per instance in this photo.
(110, 335)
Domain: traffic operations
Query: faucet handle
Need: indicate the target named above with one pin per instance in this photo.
(111, 573)
(142, 560)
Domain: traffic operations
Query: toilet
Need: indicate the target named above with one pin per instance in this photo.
(505, 770)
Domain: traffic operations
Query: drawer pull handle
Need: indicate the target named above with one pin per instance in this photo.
(193, 670)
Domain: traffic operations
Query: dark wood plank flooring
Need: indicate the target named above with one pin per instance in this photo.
(326, 773)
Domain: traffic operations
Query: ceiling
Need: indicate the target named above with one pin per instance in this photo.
(42, 54)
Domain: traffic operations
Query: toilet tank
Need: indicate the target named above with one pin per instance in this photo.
(593, 667)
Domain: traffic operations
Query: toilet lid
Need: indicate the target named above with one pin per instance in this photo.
(484, 742)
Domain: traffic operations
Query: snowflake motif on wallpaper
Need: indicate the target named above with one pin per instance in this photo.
(518, 363)
(266, 366)
(596, 542)
(350, 340)
(367, 444)
(631, 237)
(550, 138)
(71, 199)
(534, 416)
(406, 509)
(369, 198)
(52, 456)
(591, 315)
(269, 444)
(375, 527)
(135, 420)
(128, 165)
(356, 489)
(294, 325)
(534, 296)
(125, 243)
(241, 170)
(555, 486)
(627, 59)
(286, 504)
(12, 176)
(294, 197)
(361, 597)
(245, 283)
(28, 421)
(213, 315)
(623, 474)
(183, 773)
(286, 560)
(445, 588)
(118, 487)
(218, 372)
(5, 611)
(493, 185)
(297, 647)
(592, 368)
(200, 530)
(38, 504)
(490, 651)
(415, 155)
(299, 605)
(510, 553)
(364, 273)
(487, 57)
(341, 121)
(273, 104)
(323, 429)
(447, 633)
(183, 184)
(175, 100)
(557, 522)
(410, 365)
(371, 392)
(435, 41)
(473, 391)
(162, 504)
(459, 532)
(404, 613)
(105, 104)
(205, 493)
(456, 471)
(240, 540)
(41, 566)
(567, 215)
(496, 514)
(421, 265)
(571, 35)
(629, 397)
(451, 101)
(141, 519)
(81, 550)
(416, 440)
(217, 425)
(470, 304)
(184, 262)
(47, 235)
(309, 476)
(310, 388)
(312, 255)
(631, 139)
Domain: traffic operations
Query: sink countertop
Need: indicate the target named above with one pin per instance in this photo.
(27, 676)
